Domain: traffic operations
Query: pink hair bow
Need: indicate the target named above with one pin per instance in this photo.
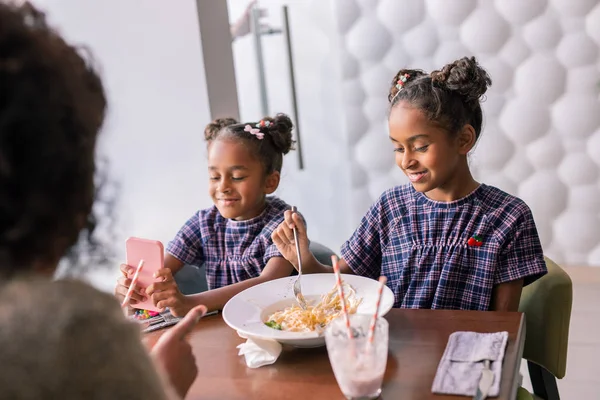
(254, 131)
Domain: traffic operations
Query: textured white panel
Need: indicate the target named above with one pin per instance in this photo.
(450, 51)
(577, 49)
(518, 168)
(592, 24)
(400, 16)
(368, 40)
(354, 94)
(578, 169)
(377, 80)
(573, 8)
(585, 199)
(485, 31)
(453, 13)
(545, 194)
(370, 150)
(515, 51)
(499, 70)
(593, 147)
(347, 12)
(421, 41)
(540, 78)
(356, 124)
(519, 11)
(493, 148)
(524, 120)
(493, 104)
(543, 33)
(584, 80)
(577, 231)
(576, 115)
(545, 152)
(350, 67)
(396, 58)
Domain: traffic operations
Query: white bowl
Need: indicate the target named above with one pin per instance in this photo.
(247, 311)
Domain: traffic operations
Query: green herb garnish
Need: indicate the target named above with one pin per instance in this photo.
(273, 324)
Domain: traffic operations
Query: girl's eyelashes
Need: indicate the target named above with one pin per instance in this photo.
(420, 149)
(238, 178)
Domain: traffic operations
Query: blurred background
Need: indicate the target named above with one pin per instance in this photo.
(170, 68)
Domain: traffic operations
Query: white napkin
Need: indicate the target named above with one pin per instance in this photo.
(259, 352)
(460, 367)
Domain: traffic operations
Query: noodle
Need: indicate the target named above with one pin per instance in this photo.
(295, 319)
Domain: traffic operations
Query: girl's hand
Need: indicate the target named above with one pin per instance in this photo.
(166, 294)
(173, 354)
(283, 238)
(123, 284)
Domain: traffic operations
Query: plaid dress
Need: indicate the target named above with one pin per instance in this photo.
(232, 251)
(422, 247)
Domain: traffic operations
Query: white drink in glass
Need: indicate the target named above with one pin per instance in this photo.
(358, 366)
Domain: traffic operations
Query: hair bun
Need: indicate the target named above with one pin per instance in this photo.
(212, 129)
(280, 131)
(464, 76)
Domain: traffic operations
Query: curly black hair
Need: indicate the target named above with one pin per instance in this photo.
(52, 106)
(275, 143)
(450, 96)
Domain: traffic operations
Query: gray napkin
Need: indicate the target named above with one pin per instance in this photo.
(460, 368)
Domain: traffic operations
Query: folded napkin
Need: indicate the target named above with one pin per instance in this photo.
(259, 352)
(460, 368)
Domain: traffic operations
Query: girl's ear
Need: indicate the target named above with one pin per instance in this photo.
(272, 182)
(466, 139)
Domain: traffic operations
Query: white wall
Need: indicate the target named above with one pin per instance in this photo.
(152, 67)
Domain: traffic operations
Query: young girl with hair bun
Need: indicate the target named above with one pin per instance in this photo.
(444, 241)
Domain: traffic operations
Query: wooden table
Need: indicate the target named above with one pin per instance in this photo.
(417, 341)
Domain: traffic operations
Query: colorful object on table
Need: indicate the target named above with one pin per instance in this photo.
(145, 314)
(475, 241)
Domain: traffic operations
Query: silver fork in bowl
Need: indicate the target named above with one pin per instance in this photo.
(297, 285)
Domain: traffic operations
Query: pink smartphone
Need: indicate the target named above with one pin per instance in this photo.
(152, 252)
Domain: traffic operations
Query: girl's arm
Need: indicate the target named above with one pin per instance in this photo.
(506, 296)
(283, 238)
(166, 294)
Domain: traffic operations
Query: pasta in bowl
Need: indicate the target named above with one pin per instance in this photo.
(270, 311)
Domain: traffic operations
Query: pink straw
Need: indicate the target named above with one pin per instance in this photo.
(382, 281)
(133, 283)
(338, 282)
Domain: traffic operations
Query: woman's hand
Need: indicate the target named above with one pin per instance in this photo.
(173, 354)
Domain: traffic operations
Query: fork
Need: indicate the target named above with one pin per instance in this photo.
(297, 285)
(485, 382)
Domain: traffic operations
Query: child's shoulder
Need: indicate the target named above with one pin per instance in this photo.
(497, 201)
(397, 197)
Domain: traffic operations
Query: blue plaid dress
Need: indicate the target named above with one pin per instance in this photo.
(232, 251)
(421, 246)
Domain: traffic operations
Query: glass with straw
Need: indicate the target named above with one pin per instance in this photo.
(357, 346)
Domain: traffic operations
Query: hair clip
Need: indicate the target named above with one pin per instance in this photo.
(402, 81)
(255, 132)
(475, 241)
(263, 124)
